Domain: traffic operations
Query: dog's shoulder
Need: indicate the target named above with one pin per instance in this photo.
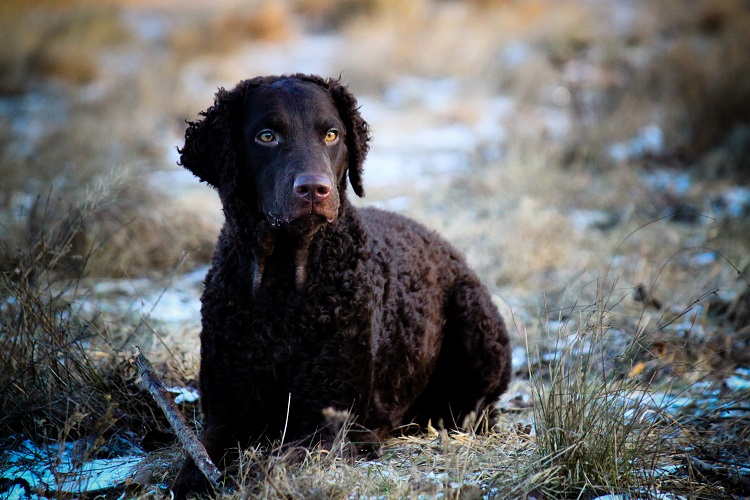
(408, 246)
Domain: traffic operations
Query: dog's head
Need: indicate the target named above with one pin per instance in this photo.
(283, 146)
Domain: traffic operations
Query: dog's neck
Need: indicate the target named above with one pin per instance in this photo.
(265, 248)
(257, 237)
(262, 253)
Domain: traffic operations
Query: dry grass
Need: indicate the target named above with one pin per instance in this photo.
(684, 69)
(593, 430)
(703, 73)
(594, 434)
(598, 426)
(62, 372)
(209, 30)
(126, 233)
(58, 40)
(436, 464)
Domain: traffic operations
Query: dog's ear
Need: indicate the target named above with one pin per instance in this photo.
(210, 149)
(357, 132)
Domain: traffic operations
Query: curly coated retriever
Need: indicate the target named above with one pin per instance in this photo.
(314, 309)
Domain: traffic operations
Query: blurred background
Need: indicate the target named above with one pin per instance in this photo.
(527, 123)
(568, 147)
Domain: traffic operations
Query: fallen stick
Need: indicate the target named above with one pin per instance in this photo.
(150, 382)
(735, 479)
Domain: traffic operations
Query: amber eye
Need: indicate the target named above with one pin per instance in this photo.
(265, 136)
(332, 135)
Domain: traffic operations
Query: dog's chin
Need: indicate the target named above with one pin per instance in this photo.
(306, 223)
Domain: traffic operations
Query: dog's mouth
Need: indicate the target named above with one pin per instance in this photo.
(307, 218)
(326, 211)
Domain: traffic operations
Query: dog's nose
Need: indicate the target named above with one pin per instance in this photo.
(312, 187)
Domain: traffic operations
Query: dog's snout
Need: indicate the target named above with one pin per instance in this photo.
(312, 187)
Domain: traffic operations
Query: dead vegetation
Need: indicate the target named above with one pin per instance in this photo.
(62, 375)
(622, 392)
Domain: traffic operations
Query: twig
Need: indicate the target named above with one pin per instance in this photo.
(151, 383)
(734, 478)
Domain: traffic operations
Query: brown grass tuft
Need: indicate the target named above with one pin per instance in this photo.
(58, 41)
(62, 372)
(229, 27)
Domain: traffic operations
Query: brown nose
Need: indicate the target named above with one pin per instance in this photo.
(312, 187)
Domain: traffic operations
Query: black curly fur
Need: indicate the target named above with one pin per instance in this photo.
(390, 326)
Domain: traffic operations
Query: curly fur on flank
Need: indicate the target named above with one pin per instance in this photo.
(359, 313)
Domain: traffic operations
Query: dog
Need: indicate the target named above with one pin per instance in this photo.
(314, 309)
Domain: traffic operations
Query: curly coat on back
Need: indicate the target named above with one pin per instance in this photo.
(312, 307)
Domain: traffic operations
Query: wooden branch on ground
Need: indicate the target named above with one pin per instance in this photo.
(732, 478)
(151, 383)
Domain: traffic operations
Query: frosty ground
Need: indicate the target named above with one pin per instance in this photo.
(549, 146)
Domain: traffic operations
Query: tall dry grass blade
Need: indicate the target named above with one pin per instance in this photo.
(590, 428)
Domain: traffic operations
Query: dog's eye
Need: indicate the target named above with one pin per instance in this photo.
(265, 136)
(332, 135)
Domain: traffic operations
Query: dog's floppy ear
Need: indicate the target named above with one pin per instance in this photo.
(357, 132)
(210, 150)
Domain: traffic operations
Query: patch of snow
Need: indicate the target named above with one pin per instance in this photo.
(549, 357)
(733, 202)
(438, 477)
(740, 381)
(649, 140)
(423, 136)
(668, 180)
(171, 156)
(120, 287)
(583, 220)
(177, 302)
(425, 147)
(500, 107)
(172, 306)
(519, 359)
(664, 469)
(149, 26)
(16, 492)
(666, 401)
(520, 399)
(54, 469)
(193, 278)
(641, 405)
(424, 169)
(704, 258)
(556, 121)
(175, 181)
(184, 394)
(21, 205)
(516, 53)
(431, 94)
(381, 468)
(688, 325)
(556, 326)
